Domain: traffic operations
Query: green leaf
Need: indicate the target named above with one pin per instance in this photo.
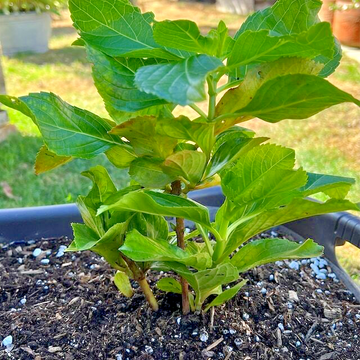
(141, 248)
(288, 17)
(141, 132)
(67, 130)
(121, 156)
(284, 17)
(184, 35)
(264, 251)
(168, 284)
(179, 82)
(183, 128)
(117, 29)
(188, 164)
(232, 133)
(114, 80)
(156, 203)
(294, 97)
(254, 47)
(107, 246)
(149, 172)
(297, 209)
(88, 213)
(237, 98)
(226, 295)
(46, 160)
(330, 64)
(336, 187)
(103, 186)
(204, 282)
(122, 282)
(84, 238)
(264, 178)
(152, 226)
(229, 151)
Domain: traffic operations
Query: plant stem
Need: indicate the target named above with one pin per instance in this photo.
(148, 294)
(198, 110)
(228, 86)
(180, 228)
(206, 239)
(139, 276)
(212, 97)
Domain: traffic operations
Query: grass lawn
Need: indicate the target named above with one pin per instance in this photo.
(328, 142)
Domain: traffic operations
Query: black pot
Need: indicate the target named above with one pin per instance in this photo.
(330, 230)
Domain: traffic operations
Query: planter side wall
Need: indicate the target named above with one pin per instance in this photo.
(25, 33)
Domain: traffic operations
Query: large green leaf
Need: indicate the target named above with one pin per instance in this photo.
(201, 133)
(237, 98)
(294, 97)
(121, 156)
(264, 251)
(114, 80)
(226, 295)
(149, 172)
(67, 130)
(229, 151)
(284, 17)
(232, 133)
(184, 35)
(288, 17)
(152, 226)
(141, 132)
(264, 178)
(253, 47)
(297, 209)
(141, 248)
(187, 164)
(336, 187)
(47, 160)
(179, 82)
(107, 246)
(157, 203)
(118, 29)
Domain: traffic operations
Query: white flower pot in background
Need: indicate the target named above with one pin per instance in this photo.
(25, 32)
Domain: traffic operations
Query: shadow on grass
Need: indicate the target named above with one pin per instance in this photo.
(66, 55)
(63, 31)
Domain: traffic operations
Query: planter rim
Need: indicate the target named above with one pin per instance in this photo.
(329, 230)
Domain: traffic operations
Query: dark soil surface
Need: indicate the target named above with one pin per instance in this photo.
(70, 309)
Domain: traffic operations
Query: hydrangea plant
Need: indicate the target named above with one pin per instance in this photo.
(274, 68)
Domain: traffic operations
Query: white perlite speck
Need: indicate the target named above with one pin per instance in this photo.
(204, 336)
(36, 252)
(7, 342)
(61, 251)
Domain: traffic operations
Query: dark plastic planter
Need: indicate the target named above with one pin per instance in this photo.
(329, 230)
